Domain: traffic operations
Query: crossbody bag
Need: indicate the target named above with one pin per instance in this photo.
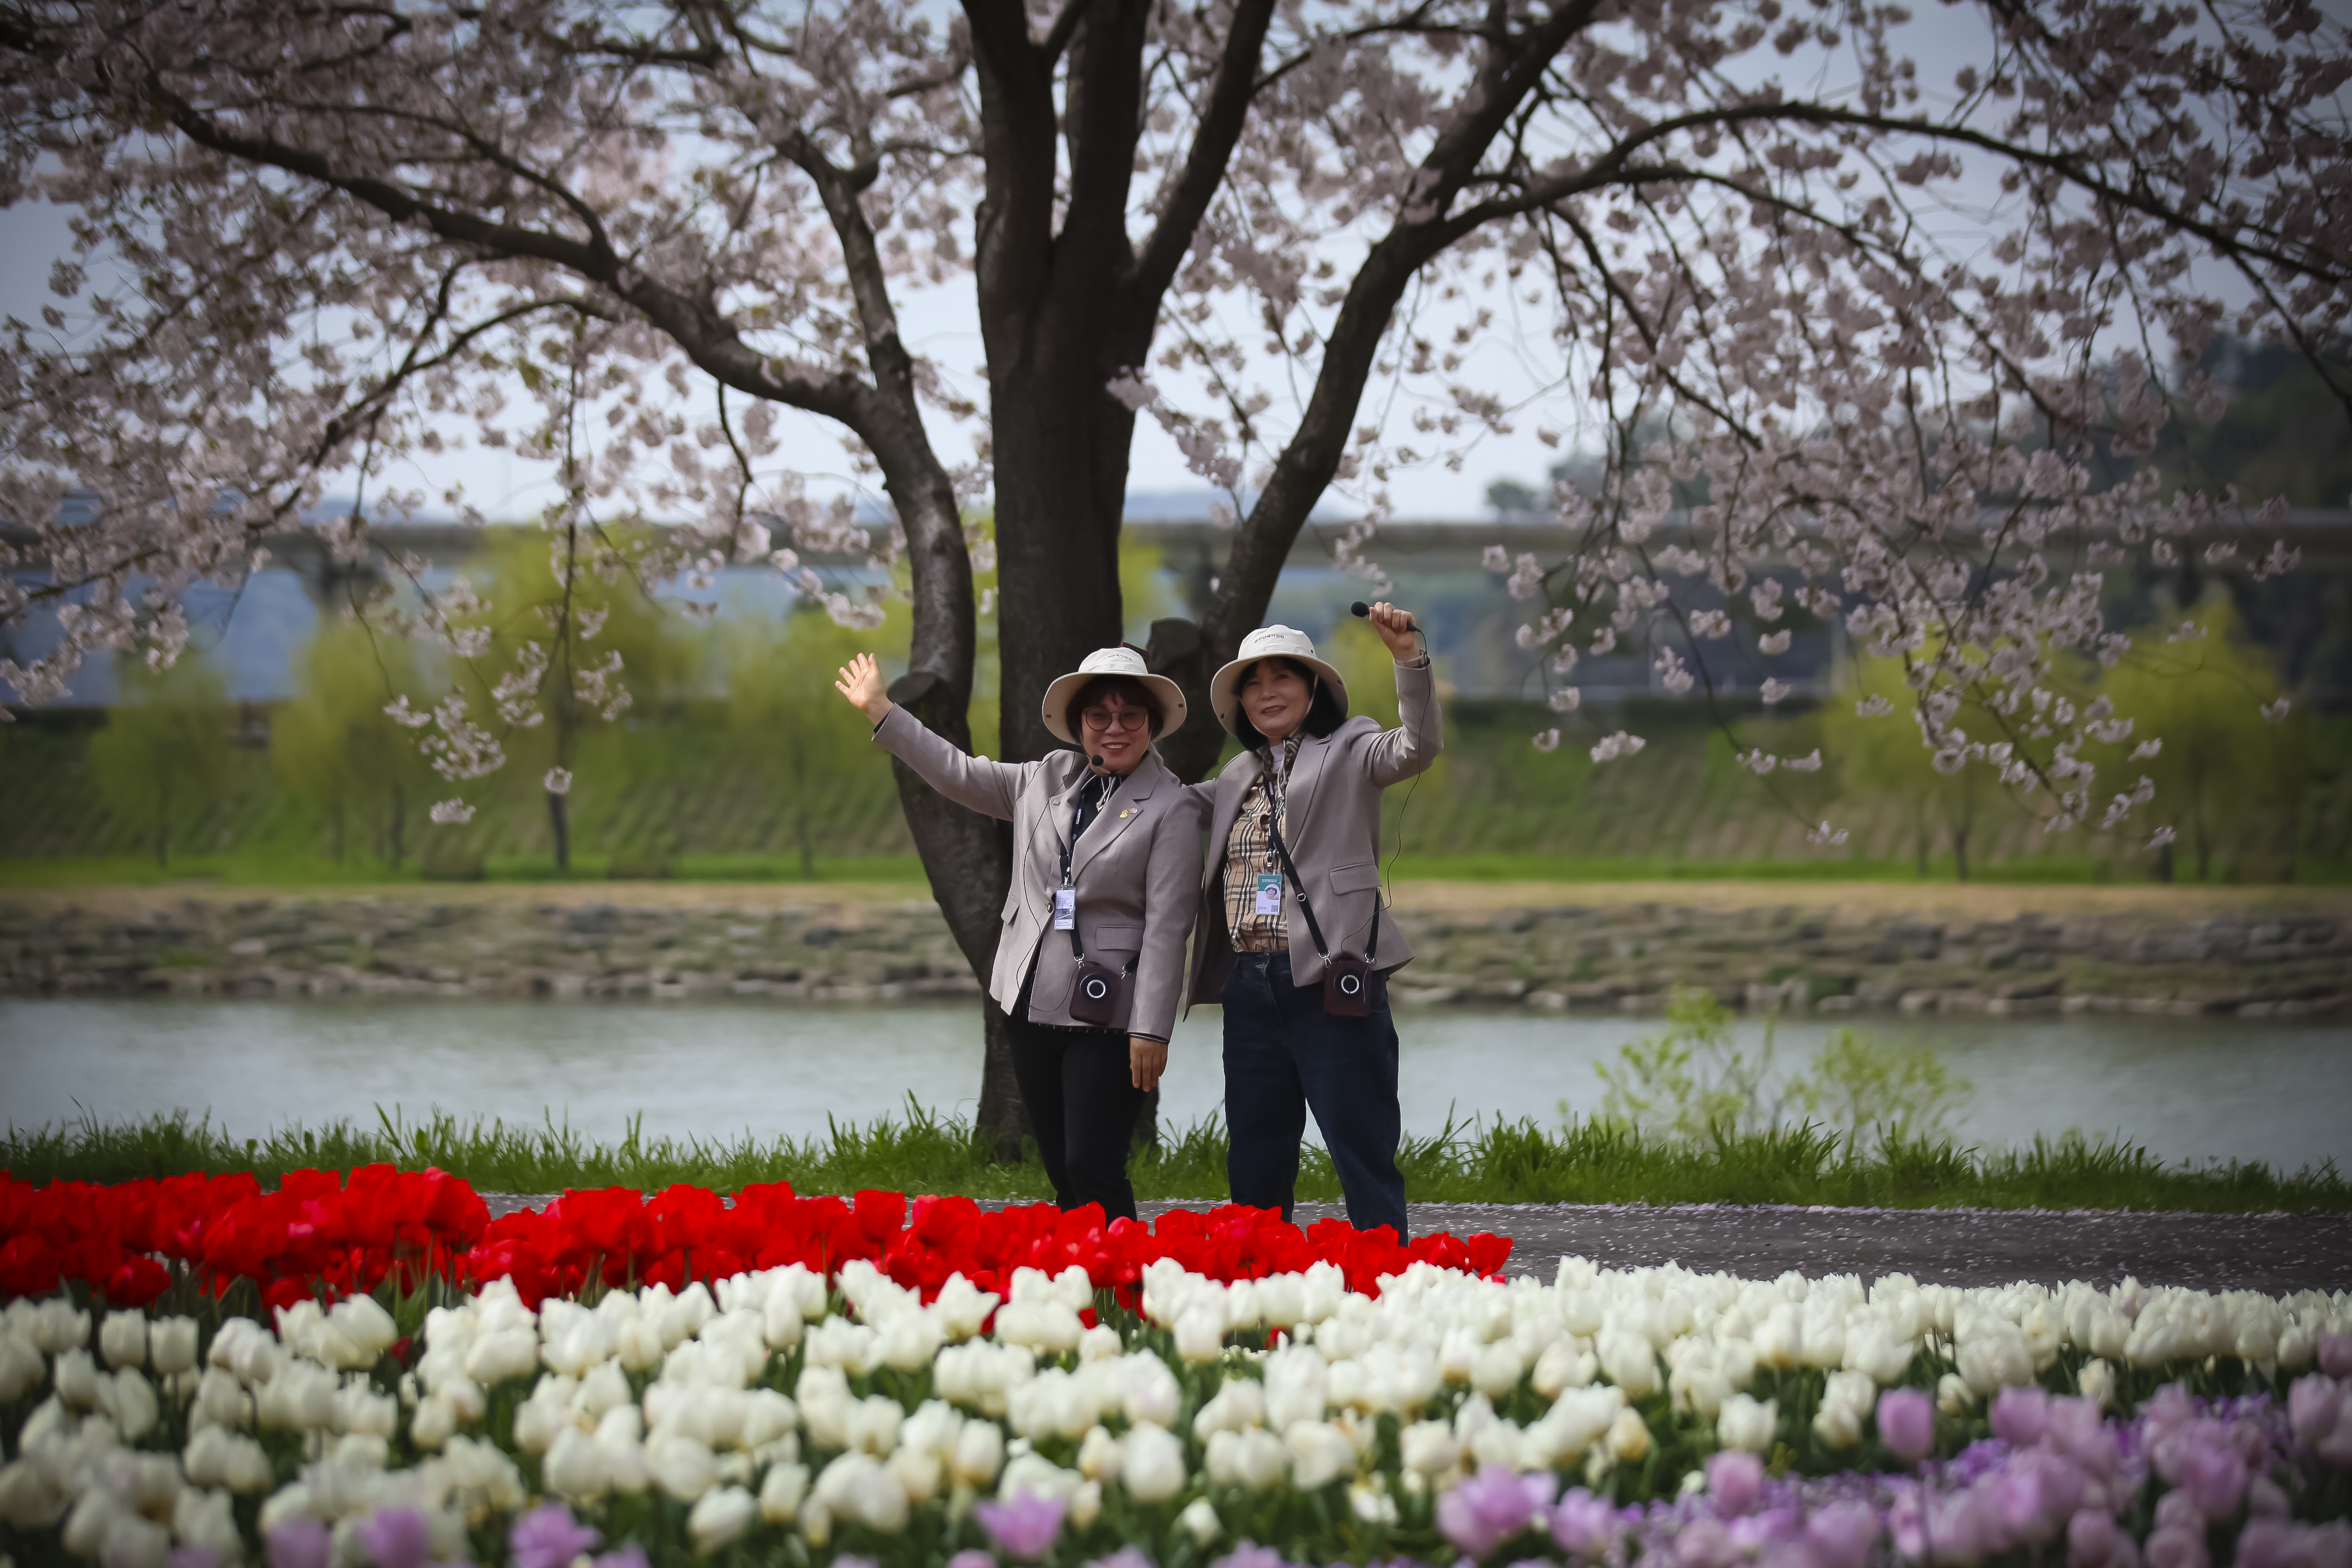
(1346, 982)
(1098, 995)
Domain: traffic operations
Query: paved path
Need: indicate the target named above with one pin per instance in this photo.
(2271, 1253)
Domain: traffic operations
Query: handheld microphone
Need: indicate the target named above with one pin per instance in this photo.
(1364, 612)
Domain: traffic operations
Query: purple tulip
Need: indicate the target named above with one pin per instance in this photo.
(185, 1556)
(2091, 1537)
(1125, 1557)
(1584, 1525)
(397, 1537)
(1907, 1424)
(2335, 1354)
(1704, 1543)
(2020, 1416)
(629, 1554)
(2077, 1430)
(2215, 1480)
(1734, 1481)
(1758, 1535)
(1024, 1527)
(1250, 1554)
(299, 1543)
(2175, 1546)
(2313, 1408)
(973, 1557)
(1491, 1507)
(549, 1537)
(1842, 1533)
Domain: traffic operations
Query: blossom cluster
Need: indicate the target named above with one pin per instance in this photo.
(862, 1411)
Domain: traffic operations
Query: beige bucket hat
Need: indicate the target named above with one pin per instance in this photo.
(1269, 642)
(1121, 661)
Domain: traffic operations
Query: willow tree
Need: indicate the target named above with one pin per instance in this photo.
(313, 239)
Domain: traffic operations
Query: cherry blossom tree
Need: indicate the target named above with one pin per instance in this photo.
(1884, 308)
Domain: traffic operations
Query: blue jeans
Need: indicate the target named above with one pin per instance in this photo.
(1285, 1054)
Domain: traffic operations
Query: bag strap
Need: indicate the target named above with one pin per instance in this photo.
(1314, 929)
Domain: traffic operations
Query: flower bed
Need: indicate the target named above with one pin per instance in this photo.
(810, 1379)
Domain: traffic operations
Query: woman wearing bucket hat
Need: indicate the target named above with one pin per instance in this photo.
(1106, 850)
(1294, 939)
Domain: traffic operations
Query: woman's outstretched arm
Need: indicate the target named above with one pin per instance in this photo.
(985, 786)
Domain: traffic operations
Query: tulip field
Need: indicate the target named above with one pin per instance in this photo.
(366, 1371)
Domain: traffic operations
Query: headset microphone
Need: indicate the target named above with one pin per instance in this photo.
(1096, 761)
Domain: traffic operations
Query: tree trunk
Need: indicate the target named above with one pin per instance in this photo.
(557, 820)
(1960, 851)
(808, 850)
(2164, 870)
(1003, 1118)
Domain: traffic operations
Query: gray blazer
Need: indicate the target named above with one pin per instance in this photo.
(1135, 872)
(1332, 828)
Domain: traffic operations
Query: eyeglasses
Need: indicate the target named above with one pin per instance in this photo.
(1116, 718)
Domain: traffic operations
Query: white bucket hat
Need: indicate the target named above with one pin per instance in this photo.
(1269, 642)
(1121, 661)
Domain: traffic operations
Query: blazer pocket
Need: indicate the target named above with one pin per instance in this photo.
(1116, 938)
(1356, 877)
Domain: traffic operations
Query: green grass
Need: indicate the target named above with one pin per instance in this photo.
(250, 869)
(1589, 1161)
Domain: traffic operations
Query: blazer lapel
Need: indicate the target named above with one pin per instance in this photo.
(1125, 806)
(1299, 798)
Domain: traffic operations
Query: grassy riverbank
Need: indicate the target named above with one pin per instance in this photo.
(1590, 1162)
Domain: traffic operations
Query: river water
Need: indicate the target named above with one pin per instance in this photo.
(2187, 1088)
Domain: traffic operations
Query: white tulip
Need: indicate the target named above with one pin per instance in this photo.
(172, 1345)
(720, 1518)
(29, 1500)
(1238, 1402)
(1995, 1360)
(638, 1343)
(132, 1541)
(1629, 1437)
(78, 1383)
(1149, 1391)
(1200, 1521)
(1319, 1454)
(362, 1320)
(781, 1492)
(495, 1358)
(917, 1473)
(219, 1401)
(56, 1325)
(216, 1457)
(979, 1453)
(2096, 1382)
(1873, 1349)
(963, 1307)
(1846, 1401)
(1748, 1425)
(122, 1339)
(206, 1520)
(435, 1421)
(1200, 1332)
(575, 1467)
(681, 1467)
(22, 1367)
(1253, 1459)
(1495, 1369)
(1954, 1395)
(1563, 1366)
(1629, 1360)
(1151, 1464)
(134, 1405)
(856, 1488)
(1429, 1447)
(1779, 1339)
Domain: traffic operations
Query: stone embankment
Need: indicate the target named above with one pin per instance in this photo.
(331, 947)
(1621, 956)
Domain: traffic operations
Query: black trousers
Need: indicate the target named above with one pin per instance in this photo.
(1285, 1054)
(1082, 1104)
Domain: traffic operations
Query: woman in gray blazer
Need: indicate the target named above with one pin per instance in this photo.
(1106, 846)
(1294, 939)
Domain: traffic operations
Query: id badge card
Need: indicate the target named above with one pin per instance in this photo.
(1066, 907)
(1269, 894)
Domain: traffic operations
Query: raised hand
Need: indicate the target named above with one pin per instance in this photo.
(860, 681)
(1396, 629)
